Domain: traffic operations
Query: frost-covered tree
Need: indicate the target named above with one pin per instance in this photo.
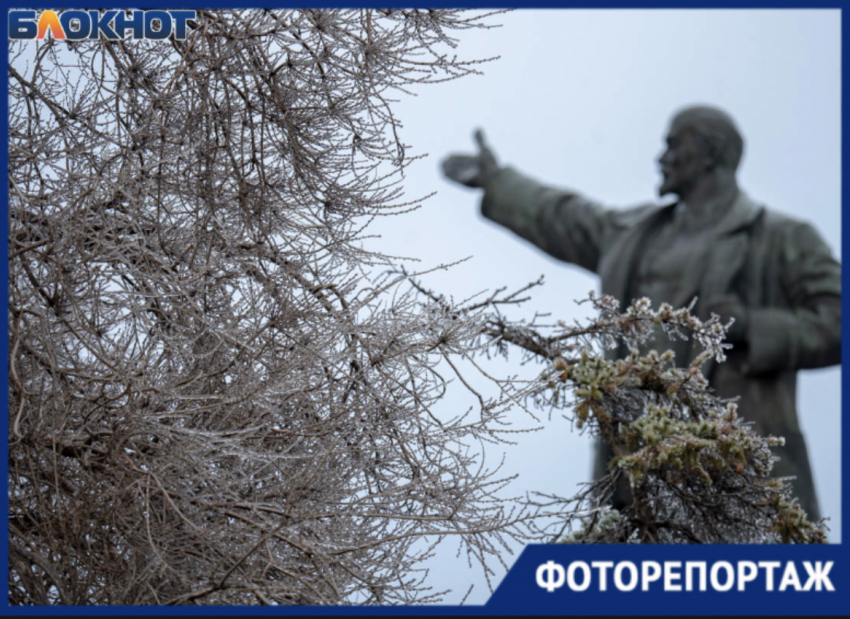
(696, 472)
(213, 397)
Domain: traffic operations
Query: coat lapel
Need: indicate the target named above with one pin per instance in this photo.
(618, 265)
(712, 267)
(721, 260)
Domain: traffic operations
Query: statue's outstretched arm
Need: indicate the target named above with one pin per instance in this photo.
(561, 223)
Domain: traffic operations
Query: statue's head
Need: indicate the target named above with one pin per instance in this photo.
(701, 140)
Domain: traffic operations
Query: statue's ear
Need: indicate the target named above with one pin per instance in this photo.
(709, 149)
(714, 158)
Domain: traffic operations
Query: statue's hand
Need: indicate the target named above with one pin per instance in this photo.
(463, 169)
(472, 170)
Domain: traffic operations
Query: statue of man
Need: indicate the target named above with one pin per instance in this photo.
(774, 275)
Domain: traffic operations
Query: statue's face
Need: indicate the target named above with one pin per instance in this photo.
(684, 162)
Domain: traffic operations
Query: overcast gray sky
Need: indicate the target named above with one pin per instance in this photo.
(581, 99)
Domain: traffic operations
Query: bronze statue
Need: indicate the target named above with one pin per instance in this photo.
(774, 275)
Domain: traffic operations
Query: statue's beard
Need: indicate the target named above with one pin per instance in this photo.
(665, 188)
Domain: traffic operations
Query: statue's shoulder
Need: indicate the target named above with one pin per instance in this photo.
(791, 234)
(782, 224)
(777, 222)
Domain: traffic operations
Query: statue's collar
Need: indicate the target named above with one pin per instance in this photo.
(739, 212)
